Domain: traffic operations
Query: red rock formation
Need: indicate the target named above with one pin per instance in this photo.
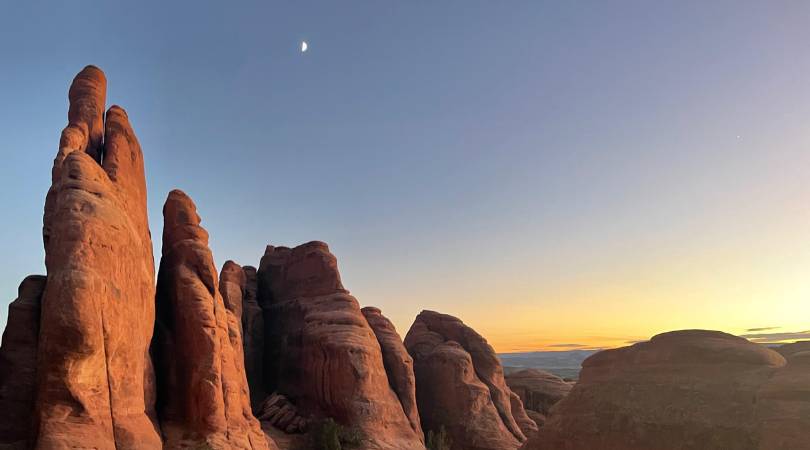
(321, 352)
(538, 391)
(203, 398)
(398, 364)
(231, 286)
(681, 390)
(783, 402)
(460, 385)
(253, 338)
(232, 281)
(95, 376)
(18, 361)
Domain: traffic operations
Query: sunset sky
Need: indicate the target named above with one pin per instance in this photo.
(556, 174)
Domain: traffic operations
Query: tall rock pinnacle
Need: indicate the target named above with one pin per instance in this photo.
(94, 371)
(202, 396)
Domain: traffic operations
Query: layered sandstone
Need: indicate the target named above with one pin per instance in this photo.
(96, 384)
(398, 364)
(321, 353)
(203, 398)
(538, 391)
(460, 386)
(18, 364)
(693, 389)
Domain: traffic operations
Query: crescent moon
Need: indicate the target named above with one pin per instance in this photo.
(304, 46)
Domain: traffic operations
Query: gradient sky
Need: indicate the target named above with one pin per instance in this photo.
(556, 174)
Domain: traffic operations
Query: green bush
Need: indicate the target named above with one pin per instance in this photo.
(438, 440)
(330, 435)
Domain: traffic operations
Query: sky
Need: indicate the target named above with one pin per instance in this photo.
(558, 175)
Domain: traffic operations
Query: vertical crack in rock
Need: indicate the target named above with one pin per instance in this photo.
(253, 338)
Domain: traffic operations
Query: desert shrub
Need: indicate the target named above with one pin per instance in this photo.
(438, 440)
(330, 435)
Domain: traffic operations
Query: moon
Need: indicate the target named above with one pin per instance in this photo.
(304, 46)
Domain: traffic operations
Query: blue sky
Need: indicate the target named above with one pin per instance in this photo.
(582, 172)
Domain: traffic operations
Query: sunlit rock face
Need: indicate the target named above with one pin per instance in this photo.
(96, 384)
(460, 386)
(18, 364)
(321, 353)
(203, 399)
(691, 389)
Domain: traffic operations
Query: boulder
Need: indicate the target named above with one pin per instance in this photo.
(692, 389)
(18, 364)
(283, 415)
(96, 383)
(321, 353)
(203, 398)
(460, 386)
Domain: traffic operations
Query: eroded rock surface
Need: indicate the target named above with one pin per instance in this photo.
(283, 415)
(96, 384)
(18, 364)
(692, 389)
(398, 364)
(203, 398)
(460, 386)
(321, 353)
(538, 391)
(253, 338)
